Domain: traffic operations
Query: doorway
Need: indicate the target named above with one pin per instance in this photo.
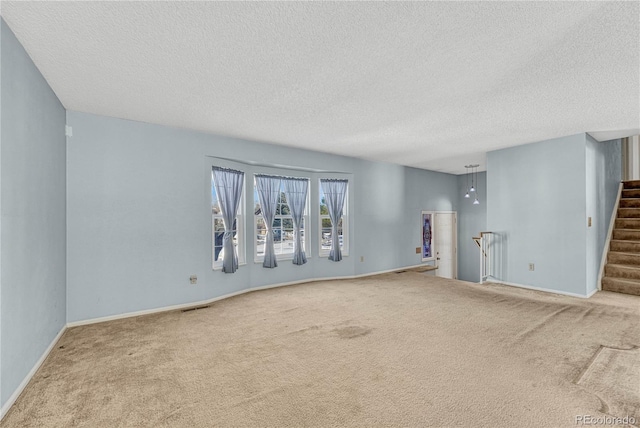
(445, 240)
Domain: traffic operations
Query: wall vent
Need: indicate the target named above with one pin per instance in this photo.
(195, 308)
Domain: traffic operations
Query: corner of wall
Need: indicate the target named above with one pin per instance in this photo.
(543, 226)
(33, 161)
(66, 219)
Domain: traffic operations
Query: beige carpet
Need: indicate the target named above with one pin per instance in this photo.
(391, 350)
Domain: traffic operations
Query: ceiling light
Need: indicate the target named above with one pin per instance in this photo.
(474, 182)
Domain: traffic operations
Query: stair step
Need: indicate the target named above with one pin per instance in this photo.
(631, 193)
(626, 286)
(629, 213)
(620, 258)
(625, 246)
(622, 271)
(630, 203)
(631, 184)
(628, 223)
(626, 234)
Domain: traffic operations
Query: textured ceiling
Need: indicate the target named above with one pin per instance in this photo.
(427, 84)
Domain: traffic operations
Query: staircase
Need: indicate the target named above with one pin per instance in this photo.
(622, 271)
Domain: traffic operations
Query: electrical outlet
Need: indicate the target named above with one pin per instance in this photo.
(532, 266)
(417, 250)
(193, 279)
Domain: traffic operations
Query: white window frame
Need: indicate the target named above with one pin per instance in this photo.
(240, 229)
(345, 223)
(279, 255)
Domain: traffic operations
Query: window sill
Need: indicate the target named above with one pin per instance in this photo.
(280, 259)
(220, 267)
(326, 255)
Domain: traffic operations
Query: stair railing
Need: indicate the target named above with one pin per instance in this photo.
(484, 242)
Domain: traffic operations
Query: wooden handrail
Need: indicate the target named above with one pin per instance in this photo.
(477, 241)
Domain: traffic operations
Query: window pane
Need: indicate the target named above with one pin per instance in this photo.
(215, 206)
(285, 209)
(218, 225)
(287, 236)
(326, 238)
(277, 235)
(287, 223)
(260, 245)
(287, 248)
(326, 223)
(287, 241)
(277, 223)
(279, 204)
(256, 203)
(216, 253)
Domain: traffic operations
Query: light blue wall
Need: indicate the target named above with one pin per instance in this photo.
(139, 219)
(472, 219)
(32, 221)
(603, 175)
(536, 203)
(389, 205)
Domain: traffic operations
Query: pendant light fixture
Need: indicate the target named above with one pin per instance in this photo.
(474, 182)
(466, 195)
(473, 188)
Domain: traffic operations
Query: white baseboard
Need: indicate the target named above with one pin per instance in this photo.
(546, 290)
(226, 296)
(27, 378)
(145, 312)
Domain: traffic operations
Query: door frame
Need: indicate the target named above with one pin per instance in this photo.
(455, 238)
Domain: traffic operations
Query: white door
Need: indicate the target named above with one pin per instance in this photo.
(445, 239)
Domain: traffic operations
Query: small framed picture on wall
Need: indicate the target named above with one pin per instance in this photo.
(427, 236)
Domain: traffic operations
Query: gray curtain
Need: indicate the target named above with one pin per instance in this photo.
(334, 194)
(296, 191)
(228, 184)
(268, 188)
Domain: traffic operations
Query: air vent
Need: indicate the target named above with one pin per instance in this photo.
(196, 308)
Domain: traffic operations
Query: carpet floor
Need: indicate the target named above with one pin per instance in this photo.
(402, 349)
